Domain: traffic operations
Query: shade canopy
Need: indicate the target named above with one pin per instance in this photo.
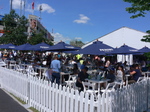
(144, 50)
(96, 48)
(62, 46)
(8, 46)
(72, 52)
(39, 47)
(23, 47)
(124, 49)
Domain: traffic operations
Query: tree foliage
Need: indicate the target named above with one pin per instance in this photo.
(14, 29)
(139, 7)
(38, 38)
(146, 38)
(76, 43)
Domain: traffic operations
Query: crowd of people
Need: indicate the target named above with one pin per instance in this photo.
(115, 71)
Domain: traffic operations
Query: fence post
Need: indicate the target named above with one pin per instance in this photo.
(148, 93)
(28, 89)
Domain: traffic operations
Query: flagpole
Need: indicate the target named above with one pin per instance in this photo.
(40, 9)
(24, 7)
(33, 12)
(20, 8)
(40, 15)
(11, 5)
(33, 8)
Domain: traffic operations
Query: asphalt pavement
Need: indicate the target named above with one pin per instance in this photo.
(9, 104)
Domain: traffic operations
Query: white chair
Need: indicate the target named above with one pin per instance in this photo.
(119, 84)
(46, 75)
(90, 88)
(7, 63)
(3, 64)
(110, 87)
(12, 64)
(19, 69)
(71, 81)
(140, 79)
(30, 71)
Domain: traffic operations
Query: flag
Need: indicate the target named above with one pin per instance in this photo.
(40, 8)
(33, 5)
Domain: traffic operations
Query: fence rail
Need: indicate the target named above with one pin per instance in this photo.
(48, 97)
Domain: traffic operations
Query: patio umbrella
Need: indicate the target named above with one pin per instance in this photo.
(23, 47)
(72, 52)
(39, 47)
(62, 46)
(97, 48)
(7, 46)
(144, 50)
(124, 49)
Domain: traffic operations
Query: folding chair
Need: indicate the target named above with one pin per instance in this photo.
(71, 81)
(90, 88)
(30, 71)
(110, 87)
(46, 75)
(19, 69)
(140, 79)
(12, 65)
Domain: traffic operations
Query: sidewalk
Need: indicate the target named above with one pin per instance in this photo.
(8, 104)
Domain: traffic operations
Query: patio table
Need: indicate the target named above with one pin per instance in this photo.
(146, 74)
(23, 65)
(99, 82)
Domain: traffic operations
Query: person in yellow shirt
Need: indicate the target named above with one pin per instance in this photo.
(78, 56)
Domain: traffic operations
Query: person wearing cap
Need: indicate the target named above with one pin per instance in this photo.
(81, 77)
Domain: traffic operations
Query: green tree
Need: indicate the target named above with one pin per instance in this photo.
(76, 43)
(37, 38)
(14, 28)
(139, 8)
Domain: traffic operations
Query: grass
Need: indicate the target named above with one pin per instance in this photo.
(33, 109)
(18, 99)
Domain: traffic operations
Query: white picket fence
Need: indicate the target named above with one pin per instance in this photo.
(134, 98)
(47, 97)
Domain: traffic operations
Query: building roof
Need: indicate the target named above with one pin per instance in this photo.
(123, 35)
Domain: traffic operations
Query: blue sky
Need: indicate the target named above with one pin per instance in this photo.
(84, 20)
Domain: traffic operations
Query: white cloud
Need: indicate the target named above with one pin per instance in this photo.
(78, 38)
(59, 37)
(46, 8)
(16, 4)
(83, 19)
